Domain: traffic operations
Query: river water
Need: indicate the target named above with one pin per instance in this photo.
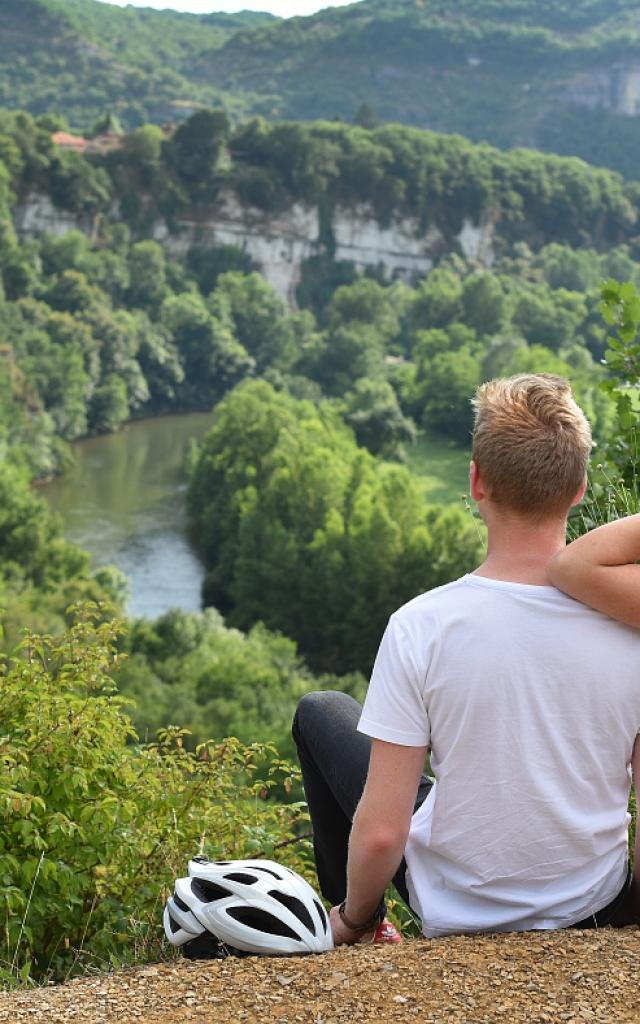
(124, 502)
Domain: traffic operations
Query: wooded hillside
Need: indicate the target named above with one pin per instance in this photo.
(552, 75)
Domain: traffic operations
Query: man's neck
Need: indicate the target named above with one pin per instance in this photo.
(519, 551)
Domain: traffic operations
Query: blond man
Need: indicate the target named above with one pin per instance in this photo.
(527, 702)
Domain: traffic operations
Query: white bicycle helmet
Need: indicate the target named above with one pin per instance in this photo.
(256, 906)
(180, 925)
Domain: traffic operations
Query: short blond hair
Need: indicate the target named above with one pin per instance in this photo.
(531, 443)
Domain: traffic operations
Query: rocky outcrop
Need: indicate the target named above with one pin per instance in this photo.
(38, 215)
(278, 244)
(615, 88)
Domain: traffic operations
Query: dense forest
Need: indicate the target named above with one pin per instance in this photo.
(312, 526)
(97, 330)
(555, 75)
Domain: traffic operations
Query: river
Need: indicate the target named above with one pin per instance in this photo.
(124, 502)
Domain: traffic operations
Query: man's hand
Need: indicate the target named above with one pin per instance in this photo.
(343, 936)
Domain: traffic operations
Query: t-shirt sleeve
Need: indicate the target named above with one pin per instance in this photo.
(394, 709)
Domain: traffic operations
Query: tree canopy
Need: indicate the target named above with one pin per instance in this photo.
(306, 532)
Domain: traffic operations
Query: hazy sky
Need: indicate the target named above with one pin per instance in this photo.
(284, 8)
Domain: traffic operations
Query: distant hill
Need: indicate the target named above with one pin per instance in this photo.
(79, 58)
(551, 74)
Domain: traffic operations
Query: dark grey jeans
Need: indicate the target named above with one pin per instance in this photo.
(334, 758)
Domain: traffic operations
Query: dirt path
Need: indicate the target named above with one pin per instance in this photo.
(553, 976)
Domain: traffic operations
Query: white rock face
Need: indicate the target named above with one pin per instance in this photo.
(476, 242)
(401, 248)
(39, 215)
(278, 244)
(627, 99)
(615, 88)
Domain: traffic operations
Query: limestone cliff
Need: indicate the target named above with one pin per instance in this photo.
(278, 244)
(615, 88)
(39, 215)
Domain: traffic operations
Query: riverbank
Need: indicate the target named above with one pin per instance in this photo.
(526, 978)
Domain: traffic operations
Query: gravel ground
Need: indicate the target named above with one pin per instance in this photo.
(531, 977)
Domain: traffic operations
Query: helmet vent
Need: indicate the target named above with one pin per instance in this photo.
(261, 921)
(239, 876)
(296, 907)
(323, 915)
(173, 924)
(267, 871)
(207, 891)
(180, 904)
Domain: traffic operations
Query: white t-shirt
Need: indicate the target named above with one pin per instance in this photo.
(530, 705)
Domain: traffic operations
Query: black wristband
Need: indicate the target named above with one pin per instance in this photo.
(376, 918)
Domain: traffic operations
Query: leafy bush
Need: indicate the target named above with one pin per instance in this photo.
(95, 825)
(614, 489)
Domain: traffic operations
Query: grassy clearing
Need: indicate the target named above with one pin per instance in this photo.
(443, 465)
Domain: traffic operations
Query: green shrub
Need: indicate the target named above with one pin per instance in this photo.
(96, 826)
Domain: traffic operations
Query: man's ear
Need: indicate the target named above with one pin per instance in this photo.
(477, 488)
(579, 495)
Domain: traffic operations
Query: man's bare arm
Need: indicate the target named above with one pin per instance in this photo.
(600, 570)
(380, 829)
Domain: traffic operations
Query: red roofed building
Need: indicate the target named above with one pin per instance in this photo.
(66, 141)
